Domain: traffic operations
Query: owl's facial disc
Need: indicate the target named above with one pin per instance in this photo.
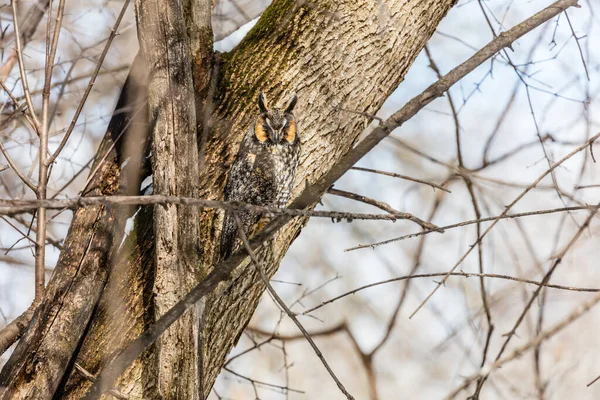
(290, 132)
(260, 130)
(276, 127)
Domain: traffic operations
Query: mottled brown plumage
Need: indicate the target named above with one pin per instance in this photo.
(264, 168)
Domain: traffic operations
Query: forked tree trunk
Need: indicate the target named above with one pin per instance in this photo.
(346, 53)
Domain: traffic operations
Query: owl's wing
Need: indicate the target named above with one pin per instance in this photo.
(235, 188)
(247, 182)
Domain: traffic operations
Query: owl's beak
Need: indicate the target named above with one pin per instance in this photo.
(276, 137)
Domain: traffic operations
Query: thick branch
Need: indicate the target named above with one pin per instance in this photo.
(13, 331)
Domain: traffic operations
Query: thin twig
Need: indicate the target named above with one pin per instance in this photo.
(586, 186)
(262, 383)
(286, 309)
(587, 74)
(88, 89)
(87, 375)
(471, 222)
(23, 234)
(323, 332)
(408, 178)
(383, 206)
(15, 168)
(364, 114)
(32, 17)
(22, 71)
(463, 274)
(504, 213)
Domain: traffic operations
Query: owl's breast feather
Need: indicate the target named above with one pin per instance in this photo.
(251, 157)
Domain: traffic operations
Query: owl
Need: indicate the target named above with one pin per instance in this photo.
(264, 168)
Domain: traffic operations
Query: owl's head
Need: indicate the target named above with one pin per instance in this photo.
(276, 126)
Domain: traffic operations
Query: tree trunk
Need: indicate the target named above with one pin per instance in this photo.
(345, 53)
(331, 53)
(165, 45)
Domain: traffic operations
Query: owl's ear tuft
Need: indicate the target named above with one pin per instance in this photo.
(291, 104)
(262, 102)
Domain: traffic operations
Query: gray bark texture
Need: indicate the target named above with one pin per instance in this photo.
(166, 48)
(347, 53)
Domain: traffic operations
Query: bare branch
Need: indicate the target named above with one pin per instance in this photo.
(504, 213)
(12, 207)
(13, 331)
(286, 309)
(580, 311)
(43, 171)
(383, 206)
(408, 178)
(463, 274)
(23, 72)
(471, 222)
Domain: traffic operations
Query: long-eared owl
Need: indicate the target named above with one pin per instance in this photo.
(264, 168)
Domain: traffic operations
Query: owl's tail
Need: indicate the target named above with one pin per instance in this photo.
(230, 239)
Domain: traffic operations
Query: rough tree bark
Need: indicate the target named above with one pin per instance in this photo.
(345, 53)
(49, 344)
(165, 45)
(331, 53)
